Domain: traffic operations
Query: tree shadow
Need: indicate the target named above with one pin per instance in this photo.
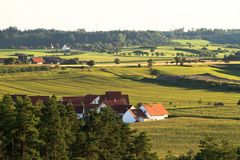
(228, 69)
(188, 84)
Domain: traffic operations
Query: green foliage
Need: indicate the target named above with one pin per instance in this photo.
(99, 40)
(209, 149)
(9, 61)
(52, 131)
(117, 60)
(155, 72)
(150, 63)
(90, 63)
(27, 135)
(13, 69)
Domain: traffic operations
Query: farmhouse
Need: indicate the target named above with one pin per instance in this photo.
(83, 104)
(154, 111)
(146, 112)
(36, 60)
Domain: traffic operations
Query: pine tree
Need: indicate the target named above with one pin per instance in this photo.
(27, 133)
(69, 124)
(142, 148)
(7, 127)
(52, 132)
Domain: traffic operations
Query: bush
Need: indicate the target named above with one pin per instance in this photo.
(154, 72)
(238, 103)
(219, 104)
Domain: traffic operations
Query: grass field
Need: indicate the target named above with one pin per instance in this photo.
(168, 50)
(178, 134)
(77, 82)
(223, 112)
(196, 42)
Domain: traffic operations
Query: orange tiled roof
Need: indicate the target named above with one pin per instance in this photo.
(37, 59)
(155, 109)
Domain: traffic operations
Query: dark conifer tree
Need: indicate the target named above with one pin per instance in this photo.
(7, 127)
(27, 136)
(52, 132)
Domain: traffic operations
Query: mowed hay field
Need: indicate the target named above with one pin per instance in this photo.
(128, 80)
(179, 135)
(192, 120)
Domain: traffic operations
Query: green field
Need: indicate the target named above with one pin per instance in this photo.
(192, 119)
(179, 135)
(196, 42)
(127, 55)
(127, 80)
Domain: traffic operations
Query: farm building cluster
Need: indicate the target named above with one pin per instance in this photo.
(116, 100)
(30, 59)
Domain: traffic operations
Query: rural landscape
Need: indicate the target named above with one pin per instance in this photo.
(119, 94)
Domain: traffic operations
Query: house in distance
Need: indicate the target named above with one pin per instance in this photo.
(147, 112)
(37, 60)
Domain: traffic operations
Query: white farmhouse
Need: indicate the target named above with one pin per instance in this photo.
(147, 112)
(154, 111)
(65, 48)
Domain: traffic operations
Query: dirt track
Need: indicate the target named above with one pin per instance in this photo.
(132, 64)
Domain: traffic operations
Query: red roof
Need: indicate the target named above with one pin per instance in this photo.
(114, 96)
(73, 100)
(35, 99)
(89, 98)
(112, 102)
(121, 109)
(155, 109)
(80, 102)
(37, 60)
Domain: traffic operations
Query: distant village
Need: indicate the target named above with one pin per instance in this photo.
(23, 58)
(116, 100)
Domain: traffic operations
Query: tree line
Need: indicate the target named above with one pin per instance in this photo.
(99, 40)
(219, 36)
(51, 130)
(108, 41)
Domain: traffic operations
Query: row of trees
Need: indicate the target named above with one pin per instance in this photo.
(204, 52)
(99, 40)
(110, 41)
(219, 36)
(52, 131)
(232, 57)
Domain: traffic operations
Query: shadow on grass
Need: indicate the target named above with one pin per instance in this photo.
(188, 84)
(185, 83)
(228, 69)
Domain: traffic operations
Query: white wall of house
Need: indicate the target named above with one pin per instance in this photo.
(79, 115)
(102, 105)
(96, 100)
(39, 62)
(128, 117)
(158, 117)
(145, 111)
